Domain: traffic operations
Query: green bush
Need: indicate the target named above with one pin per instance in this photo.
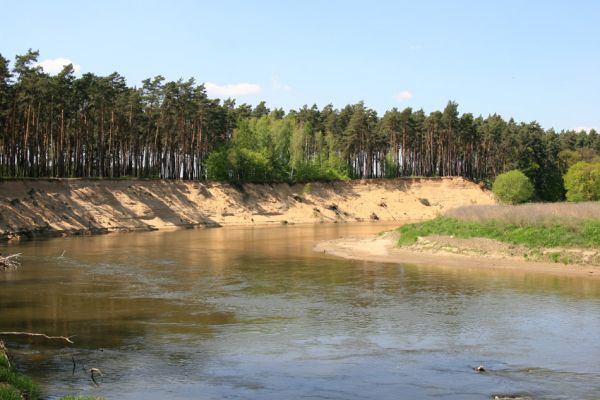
(390, 166)
(513, 187)
(582, 182)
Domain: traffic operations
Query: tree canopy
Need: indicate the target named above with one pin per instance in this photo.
(98, 126)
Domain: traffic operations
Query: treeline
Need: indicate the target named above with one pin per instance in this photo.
(94, 126)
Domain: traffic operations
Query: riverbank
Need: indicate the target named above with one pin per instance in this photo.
(447, 252)
(14, 385)
(17, 386)
(60, 207)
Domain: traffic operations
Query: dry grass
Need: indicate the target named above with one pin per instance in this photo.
(545, 214)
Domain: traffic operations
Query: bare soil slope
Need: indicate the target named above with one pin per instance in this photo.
(59, 207)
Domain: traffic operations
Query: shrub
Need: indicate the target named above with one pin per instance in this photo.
(582, 182)
(513, 187)
(390, 166)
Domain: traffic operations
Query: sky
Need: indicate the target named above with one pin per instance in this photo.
(530, 60)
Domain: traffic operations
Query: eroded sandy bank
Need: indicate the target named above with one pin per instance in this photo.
(59, 207)
(382, 249)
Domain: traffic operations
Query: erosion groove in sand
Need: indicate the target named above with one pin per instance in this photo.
(59, 207)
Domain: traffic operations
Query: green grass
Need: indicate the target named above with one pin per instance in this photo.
(8, 392)
(585, 234)
(14, 385)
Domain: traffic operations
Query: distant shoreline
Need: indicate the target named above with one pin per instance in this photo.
(383, 249)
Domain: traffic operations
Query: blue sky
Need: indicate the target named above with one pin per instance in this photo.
(531, 60)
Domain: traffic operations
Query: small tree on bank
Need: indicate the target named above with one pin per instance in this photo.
(513, 187)
(582, 182)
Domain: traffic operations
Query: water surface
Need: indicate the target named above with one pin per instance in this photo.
(253, 313)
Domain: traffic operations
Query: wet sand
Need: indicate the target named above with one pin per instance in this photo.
(383, 249)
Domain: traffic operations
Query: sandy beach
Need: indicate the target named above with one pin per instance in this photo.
(383, 249)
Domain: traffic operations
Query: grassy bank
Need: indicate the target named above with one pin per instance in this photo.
(585, 235)
(531, 225)
(14, 385)
(17, 386)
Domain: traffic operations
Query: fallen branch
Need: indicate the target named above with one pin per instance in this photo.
(65, 338)
(10, 262)
(92, 371)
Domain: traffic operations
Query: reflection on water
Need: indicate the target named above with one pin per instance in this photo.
(254, 313)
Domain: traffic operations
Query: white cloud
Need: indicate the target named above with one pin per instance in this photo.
(403, 95)
(278, 85)
(235, 89)
(55, 65)
(584, 128)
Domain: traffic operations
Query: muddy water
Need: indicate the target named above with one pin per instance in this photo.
(252, 313)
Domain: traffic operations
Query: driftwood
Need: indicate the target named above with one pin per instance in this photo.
(42, 335)
(10, 261)
(92, 371)
(95, 371)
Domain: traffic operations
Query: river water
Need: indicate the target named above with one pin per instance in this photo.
(253, 313)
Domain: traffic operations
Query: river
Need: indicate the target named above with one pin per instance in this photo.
(254, 313)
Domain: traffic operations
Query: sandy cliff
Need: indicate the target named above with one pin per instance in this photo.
(57, 207)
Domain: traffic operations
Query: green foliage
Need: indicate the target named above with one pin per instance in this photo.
(568, 157)
(390, 166)
(582, 182)
(97, 126)
(217, 166)
(9, 393)
(513, 187)
(14, 385)
(274, 149)
(536, 153)
(586, 234)
(239, 165)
